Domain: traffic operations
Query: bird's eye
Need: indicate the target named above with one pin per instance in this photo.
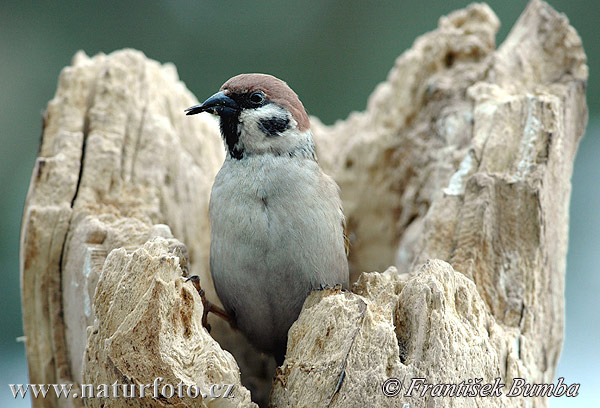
(257, 97)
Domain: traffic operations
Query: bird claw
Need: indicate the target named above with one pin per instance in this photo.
(195, 279)
(207, 306)
(327, 286)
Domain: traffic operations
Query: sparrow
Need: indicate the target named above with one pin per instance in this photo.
(276, 220)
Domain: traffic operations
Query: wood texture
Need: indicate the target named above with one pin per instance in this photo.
(458, 173)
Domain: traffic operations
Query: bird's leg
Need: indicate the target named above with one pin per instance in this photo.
(335, 287)
(208, 306)
(180, 250)
(327, 286)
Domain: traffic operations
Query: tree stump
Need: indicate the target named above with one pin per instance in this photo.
(457, 173)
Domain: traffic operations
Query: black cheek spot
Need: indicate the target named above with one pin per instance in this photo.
(274, 126)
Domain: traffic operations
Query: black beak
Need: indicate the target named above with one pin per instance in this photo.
(218, 104)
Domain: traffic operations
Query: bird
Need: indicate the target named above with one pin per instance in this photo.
(277, 226)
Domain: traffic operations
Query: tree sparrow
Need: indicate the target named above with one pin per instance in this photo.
(277, 227)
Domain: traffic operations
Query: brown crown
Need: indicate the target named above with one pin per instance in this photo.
(275, 90)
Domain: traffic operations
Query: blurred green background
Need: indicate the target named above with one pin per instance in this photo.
(332, 53)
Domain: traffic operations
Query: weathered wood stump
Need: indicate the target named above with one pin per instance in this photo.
(458, 173)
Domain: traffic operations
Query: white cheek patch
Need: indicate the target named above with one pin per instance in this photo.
(269, 128)
(250, 119)
(254, 123)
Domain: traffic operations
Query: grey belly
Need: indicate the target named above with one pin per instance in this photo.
(263, 268)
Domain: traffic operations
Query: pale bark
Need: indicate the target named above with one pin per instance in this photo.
(458, 173)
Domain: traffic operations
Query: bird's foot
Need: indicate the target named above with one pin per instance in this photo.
(327, 286)
(209, 307)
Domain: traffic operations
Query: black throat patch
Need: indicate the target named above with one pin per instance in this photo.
(231, 134)
(274, 126)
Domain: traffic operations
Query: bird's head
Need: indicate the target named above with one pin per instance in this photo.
(260, 114)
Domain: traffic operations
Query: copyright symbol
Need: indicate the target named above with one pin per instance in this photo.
(391, 387)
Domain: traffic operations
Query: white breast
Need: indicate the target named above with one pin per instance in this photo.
(276, 233)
